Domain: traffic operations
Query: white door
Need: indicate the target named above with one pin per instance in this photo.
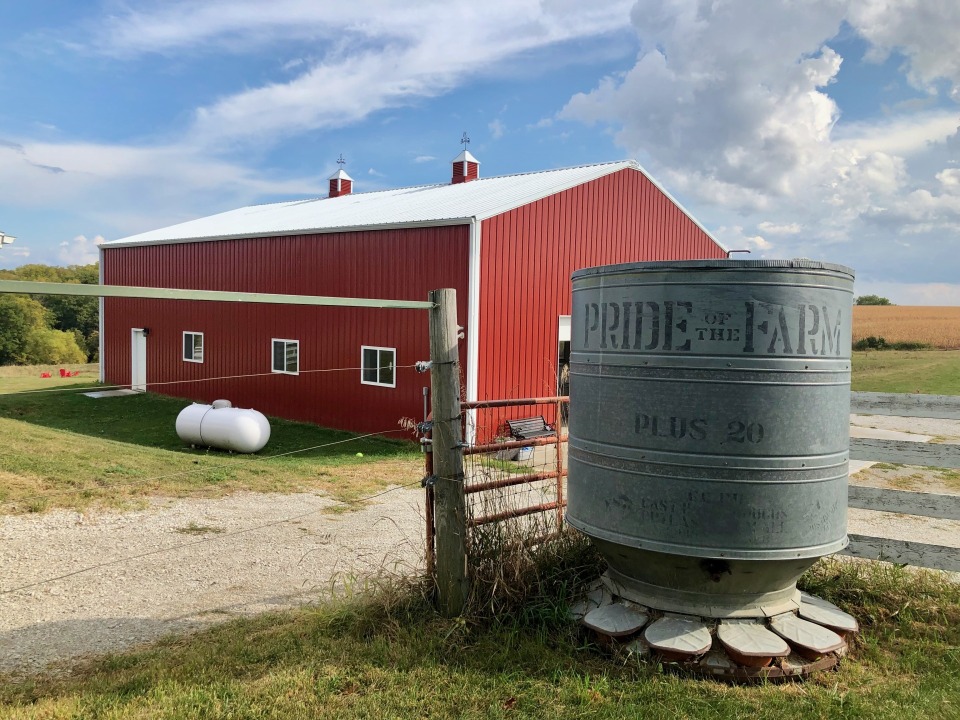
(138, 360)
(563, 355)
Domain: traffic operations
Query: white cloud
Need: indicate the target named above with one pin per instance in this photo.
(497, 128)
(337, 64)
(11, 256)
(731, 92)
(132, 189)
(729, 104)
(734, 238)
(367, 61)
(775, 229)
(80, 251)
(293, 64)
(923, 30)
(949, 179)
(202, 26)
(375, 173)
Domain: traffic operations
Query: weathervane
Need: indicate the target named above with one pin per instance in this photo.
(340, 161)
(464, 140)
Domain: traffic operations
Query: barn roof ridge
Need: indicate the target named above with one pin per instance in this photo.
(411, 206)
(625, 163)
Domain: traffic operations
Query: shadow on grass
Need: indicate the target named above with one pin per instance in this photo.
(149, 420)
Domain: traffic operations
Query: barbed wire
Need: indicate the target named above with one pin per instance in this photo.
(105, 388)
(180, 546)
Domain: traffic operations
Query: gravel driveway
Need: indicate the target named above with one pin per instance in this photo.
(121, 605)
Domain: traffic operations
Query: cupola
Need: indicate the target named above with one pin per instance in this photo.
(465, 168)
(340, 183)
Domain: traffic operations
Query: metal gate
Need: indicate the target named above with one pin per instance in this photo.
(507, 479)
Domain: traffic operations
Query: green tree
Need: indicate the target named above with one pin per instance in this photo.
(20, 317)
(69, 313)
(872, 300)
(45, 346)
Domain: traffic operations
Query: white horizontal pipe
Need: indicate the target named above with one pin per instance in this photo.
(45, 288)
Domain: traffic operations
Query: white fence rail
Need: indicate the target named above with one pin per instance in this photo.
(931, 505)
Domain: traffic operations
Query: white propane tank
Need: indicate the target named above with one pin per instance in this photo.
(227, 428)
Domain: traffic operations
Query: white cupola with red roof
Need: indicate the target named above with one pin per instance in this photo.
(340, 182)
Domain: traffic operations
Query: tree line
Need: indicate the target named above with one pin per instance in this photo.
(50, 329)
(872, 300)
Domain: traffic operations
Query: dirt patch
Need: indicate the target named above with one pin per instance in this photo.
(909, 477)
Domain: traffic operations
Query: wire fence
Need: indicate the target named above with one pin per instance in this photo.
(94, 385)
(126, 483)
(514, 488)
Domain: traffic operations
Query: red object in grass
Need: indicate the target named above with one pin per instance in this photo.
(63, 372)
(45, 375)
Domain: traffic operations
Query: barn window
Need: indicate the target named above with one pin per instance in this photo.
(378, 366)
(286, 356)
(193, 346)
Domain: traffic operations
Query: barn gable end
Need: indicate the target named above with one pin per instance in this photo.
(527, 257)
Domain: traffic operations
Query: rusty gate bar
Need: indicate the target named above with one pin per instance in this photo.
(493, 447)
(558, 439)
(474, 404)
(510, 514)
(510, 481)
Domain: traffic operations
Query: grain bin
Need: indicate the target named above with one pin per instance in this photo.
(709, 420)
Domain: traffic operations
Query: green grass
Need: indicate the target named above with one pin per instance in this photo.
(935, 372)
(20, 378)
(65, 450)
(388, 655)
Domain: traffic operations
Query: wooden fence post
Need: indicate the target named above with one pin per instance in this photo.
(450, 515)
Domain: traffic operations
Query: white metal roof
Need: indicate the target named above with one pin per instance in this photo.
(466, 155)
(445, 204)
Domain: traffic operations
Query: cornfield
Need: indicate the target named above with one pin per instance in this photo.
(938, 327)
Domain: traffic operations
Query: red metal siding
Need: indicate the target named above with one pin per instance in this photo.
(472, 172)
(391, 264)
(528, 255)
(339, 186)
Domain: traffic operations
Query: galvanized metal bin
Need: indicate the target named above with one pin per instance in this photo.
(709, 420)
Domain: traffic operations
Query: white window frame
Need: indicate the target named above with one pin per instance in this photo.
(363, 368)
(183, 346)
(285, 342)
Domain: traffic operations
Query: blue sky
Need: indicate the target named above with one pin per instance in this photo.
(825, 129)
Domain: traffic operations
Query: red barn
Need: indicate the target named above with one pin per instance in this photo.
(507, 244)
